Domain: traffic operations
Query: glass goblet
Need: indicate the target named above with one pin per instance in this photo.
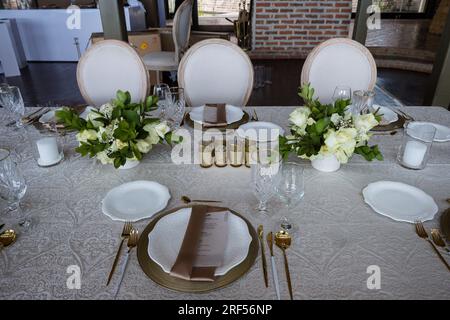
(11, 99)
(342, 93)
(12, 187)
(175, 107)
(159, 91)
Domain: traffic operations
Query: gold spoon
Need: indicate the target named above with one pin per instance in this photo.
(283, 241)
(437, 239)
(187, 200)
(7, 237)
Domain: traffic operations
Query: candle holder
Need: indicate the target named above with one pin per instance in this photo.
(206, 154)
(250, 147)
(236, 154)
(46, 145)
(416, 146)
(220, 155)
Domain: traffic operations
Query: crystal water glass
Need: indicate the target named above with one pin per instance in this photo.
(160, 90)
(11, 99)
(290, 189)
(12, 186)
(342, 93)
(415, 149)
(175, 105)
(362, 101)
(264, 170)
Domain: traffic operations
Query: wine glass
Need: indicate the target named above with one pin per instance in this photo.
(342, 93)
(160, 90)
(12, 186)
(175, 106)
(264, 170)
(290, 189)
(362, 101)
(11, 99)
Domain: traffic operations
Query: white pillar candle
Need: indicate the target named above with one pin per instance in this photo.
(414, 153)
(48, 150)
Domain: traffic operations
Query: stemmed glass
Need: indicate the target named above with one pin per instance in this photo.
(12, 186)
(290, 189)
(264, 169)
(342, 93)
(160, 90)
(175, 106)
(11, 99)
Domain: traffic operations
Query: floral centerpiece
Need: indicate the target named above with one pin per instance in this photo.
(119, 131)
(327, 133)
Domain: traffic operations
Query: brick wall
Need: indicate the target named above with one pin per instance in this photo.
(298, 25)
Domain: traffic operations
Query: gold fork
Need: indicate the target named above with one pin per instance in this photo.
(132, 242)
(437, 239)
(421, 232)
(125, 234)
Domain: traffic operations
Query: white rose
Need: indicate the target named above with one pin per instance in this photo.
(107, 131)
(117, 145)
(336, 119)
(103, 157)
(143, 146)
(161, 129)
(153, 137)
(299, 117)
(92, 116)
(310, 121)
(107, 109)
(364, 123)
(341, 143)
(86, 135)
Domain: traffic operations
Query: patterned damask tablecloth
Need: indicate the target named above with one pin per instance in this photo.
(340, 236)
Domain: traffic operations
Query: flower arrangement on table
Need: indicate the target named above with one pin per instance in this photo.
(323, 130)
(119, 131)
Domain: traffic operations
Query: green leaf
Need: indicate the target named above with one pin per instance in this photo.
(132, 117)
(322, 124)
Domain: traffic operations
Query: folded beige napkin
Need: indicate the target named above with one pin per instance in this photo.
(184, 265)
(215, 115)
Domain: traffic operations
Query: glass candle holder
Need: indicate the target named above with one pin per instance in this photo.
(46, 145)
(416, 146)
(206, 154)
(220, 155)
(250, 147)
(236, 154)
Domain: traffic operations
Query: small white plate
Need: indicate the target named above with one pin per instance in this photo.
(442, 132)
(260, 131)
(164, 242)
(234, 114)
(135, 200)
(388, 115)
(400, 201)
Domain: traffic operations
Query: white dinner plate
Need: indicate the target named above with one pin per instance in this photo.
(260, 131)
(50, 116)
(442, 132)
(388, 115)
(164, 242)
(234, 114)
(400, 201)
(135, 200)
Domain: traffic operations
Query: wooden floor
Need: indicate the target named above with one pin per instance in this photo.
(56, 82)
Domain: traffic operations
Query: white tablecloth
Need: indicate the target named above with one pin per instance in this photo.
(339, 235)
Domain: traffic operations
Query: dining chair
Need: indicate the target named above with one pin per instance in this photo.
(108, 66)
(216, 71)
(166, 60)
(339, 62)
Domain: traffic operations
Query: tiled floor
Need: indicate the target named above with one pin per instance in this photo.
(56, 82)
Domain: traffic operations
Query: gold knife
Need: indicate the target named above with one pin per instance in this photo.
(263, 254)
(274, 266)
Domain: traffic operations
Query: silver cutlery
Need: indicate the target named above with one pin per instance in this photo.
(421, 232)
(274, 267)
(132, 242)
(188, 200)
(405, 115)
(263, 254)
(26, 117)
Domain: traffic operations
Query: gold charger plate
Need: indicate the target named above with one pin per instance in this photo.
(157, 274)
(234, 125)
(392, 126)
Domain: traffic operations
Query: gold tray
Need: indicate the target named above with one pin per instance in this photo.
(157, 274)
(392, 126)
(234, 125)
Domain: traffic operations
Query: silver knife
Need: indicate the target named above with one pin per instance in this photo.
(274, 267)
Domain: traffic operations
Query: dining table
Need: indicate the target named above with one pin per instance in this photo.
(338, 241)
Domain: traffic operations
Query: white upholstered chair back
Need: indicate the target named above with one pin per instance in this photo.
(182, 28)
(216, 71)
(108, 66)
(338, 62)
